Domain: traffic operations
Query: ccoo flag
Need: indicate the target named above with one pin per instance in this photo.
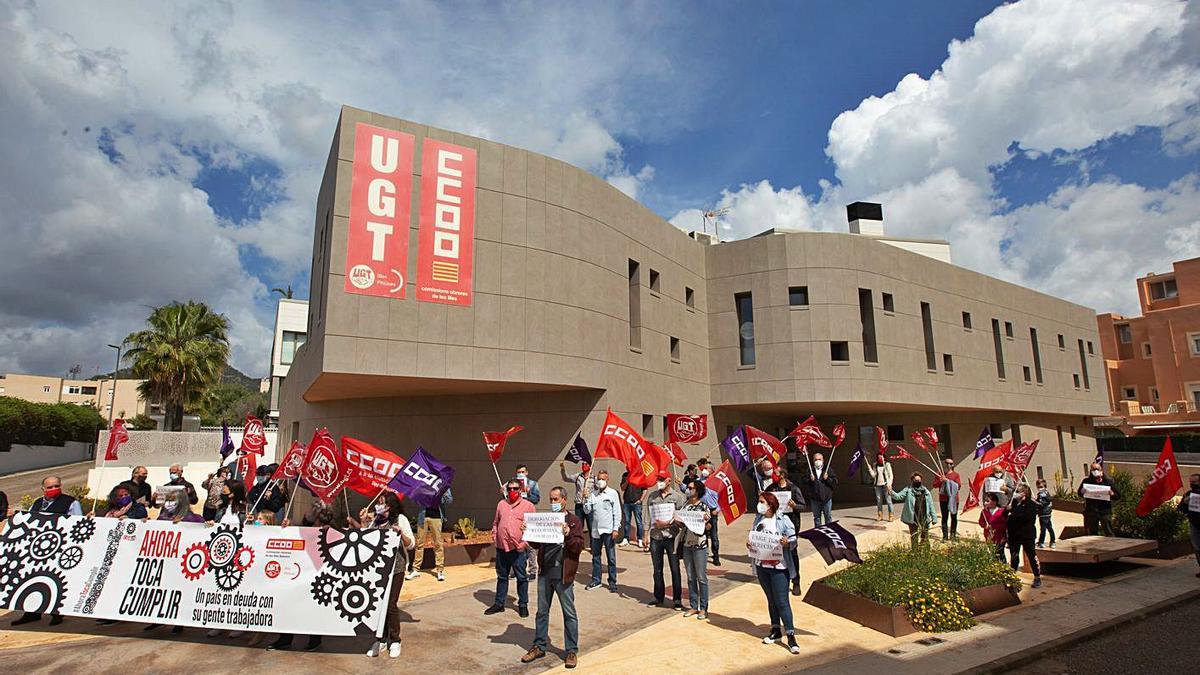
(984, 443)
(725, 484)
(763, 444)
(856, 459)
(1164, 483)
(423, 479)
(578, 452)
(735, 446)
(227, 447)
(833, 542)
(374, 466)
(621, 442)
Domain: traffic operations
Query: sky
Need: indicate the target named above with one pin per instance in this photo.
(156, 152)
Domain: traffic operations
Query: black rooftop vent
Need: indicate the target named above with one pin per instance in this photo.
(864, 211)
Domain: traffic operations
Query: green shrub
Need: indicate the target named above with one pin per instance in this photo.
(26, 423)
(927, 580)
(466, 528)
(1164, 524)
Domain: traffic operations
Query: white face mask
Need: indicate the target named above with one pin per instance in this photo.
(601, 483)
(704, 473)
(521, 474)
(661, 485)
(818, 465)
(762, 508)
(380, 509)
(170, 507)
(174, 476)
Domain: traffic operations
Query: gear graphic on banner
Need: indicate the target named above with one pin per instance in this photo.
(82, 531)
(356, 551)
(355, 599)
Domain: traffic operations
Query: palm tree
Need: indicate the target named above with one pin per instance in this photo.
(283, 293)
(181, 354)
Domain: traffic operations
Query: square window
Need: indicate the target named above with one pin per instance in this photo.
(1129, 393)
(689, 297)
(839, 351)
(1025, 372)
(997, 432)
(1154, 394)
(89, 391)
(798, 296)
(895, 432)
(675, 349)
(967, 320)
(1194, 343)
(1008, 329)
(1062, 343)
(1124, 334)
(655, 284)
(889, 305)
(948, 363)
(46, 389)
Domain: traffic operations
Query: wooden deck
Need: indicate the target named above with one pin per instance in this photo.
(1094, 549)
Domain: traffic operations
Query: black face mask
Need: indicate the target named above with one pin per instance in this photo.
(1195, 487)
(916, 483)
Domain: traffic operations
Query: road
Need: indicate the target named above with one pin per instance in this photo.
(1161, 643)
(29, 482)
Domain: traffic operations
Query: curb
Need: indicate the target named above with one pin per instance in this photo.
(1024, 657)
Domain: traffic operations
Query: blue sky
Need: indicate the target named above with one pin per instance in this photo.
(167, 151)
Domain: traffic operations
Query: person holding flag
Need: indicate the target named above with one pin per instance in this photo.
(585, 484)
(881, 476)
(1190, 504)
(774, 576)
(1098, 494)
(820, 486)
(511, 548)
(215, 485)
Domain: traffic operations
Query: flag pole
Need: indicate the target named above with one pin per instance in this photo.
(260, 495)
(498, 481)
(292, 499)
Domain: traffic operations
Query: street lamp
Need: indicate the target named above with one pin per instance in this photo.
(112, 395)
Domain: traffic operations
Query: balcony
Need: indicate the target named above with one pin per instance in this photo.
(1134, 419)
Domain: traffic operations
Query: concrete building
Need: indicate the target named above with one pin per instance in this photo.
(98, 393)
(581, 299)
(291, 329)
(1152, 361)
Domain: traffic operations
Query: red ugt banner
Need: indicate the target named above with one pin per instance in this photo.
(728, 488)
(643, 459)
(254, 437)
(1164, 483)
(686, 428)
(446, 242)
(292, 462)
(374, 466)
(326, 470)
(380, 202)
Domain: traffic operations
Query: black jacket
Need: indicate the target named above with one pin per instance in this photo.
(1193, 516)
(1098, 506)
(191, 489)
(820, 489)
(276, 501)
(1022, 516)
(797, 496)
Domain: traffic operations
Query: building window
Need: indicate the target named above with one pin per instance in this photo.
(71, 389)
(635, 305)
(967, 320)
(947, 442)
(927, 328)
(1087, 382)
(839, 352)
(648, 427)
(889, 304)
(1062, 343)
(46, 389)
(655, 284)
(88, 391)
(866, 316)
(1146, 352)
(996, 431)
(1008, 329)
(798, 296)
(1162, 290)
(1015, 430)
(1124, 334)
(1072, 433)
(1037, 354)
(1091, 350)
(895, 432)
(1026, 374)
(292, 341)
(1129, 393)
(1194, 343)
(999, 347)
(745, 318)
(1154, 394)
(948, 363)
(1075, 376)
(689, 297)
(675, 349)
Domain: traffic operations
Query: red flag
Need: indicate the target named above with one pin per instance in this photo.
(725, 484)
(990, 459)
(901, 453)
(1017, 460)
(326, 470)
(643, 459)
(931, 434)
(686, 428)
(117, 436)
(676, 453)
(881, 439)
(495, 440)
(374, 467)
(763, 444)
(809, 432)
(292, 462)
(246, 467)
(839, 433)
(1164, 483)
(920, 441)
(254, 438)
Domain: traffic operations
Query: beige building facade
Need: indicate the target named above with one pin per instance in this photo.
(98, 393)
(584, 300)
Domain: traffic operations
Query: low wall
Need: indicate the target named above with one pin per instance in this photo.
(29, 457)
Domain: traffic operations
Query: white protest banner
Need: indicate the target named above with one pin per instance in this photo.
(1101, 492)
(279, 580)
(694, 520)
(664, 511)
(544, 528)
(991, 485)
(784, 497)
(765, 546)
(1194, 502)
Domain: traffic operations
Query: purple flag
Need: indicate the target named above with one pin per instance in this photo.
(739, 453)
(833, 542)
(1099, 456)
(226, 442)
(856, 459)
(985, 442)
(423, 479)
(578, 452)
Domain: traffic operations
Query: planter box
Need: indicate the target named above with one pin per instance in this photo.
(460, 554)
(1169, 550)
(892, 620)
(1067, 505)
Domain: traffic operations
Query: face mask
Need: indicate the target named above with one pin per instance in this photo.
(1019, 496)
(380, 509)
(602, 484)
(661, 485)
(1195, 487)
(514, 495)
(1097, 473)
(174, 476)
(997, 474)
(762, 508)
(258, 522)
(140, 479)
(779, 478)
(704, 473)
(586, 468)
(818, 465)
(916, 483)
(123, 501)
(259, 479)
(52, 493)
(555, 507)
(879, 460)
(521, 475)
(691, 494)
(170, 506)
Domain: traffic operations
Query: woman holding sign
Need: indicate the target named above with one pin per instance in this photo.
(770, 537)
(695, 517)
(388, 513)
(784, 487)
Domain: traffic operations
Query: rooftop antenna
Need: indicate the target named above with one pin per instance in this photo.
(74, 371)
(711, 216)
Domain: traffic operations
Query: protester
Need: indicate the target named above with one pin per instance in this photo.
(139, 488)
(714, 540)
(1003, 489)
(264, 518)
(529, 487)
(631, 510)
(603, 507)
(764, 472)
(52, 501)
(266, 495)
(795, 504)
(215, 485)
(663, 541)
(233, 503)
(693, 550)
(318, 515)
(820, 490)
(994, 522)
(558, 563)
(774, 575)
(1190, 504)
(1097, 513)
(388, 514)
(881, 474)
(121, 504)
(511, 550)
(918, 511)
(690, 473)
(175, 508)
(585, 484)
(429, 522)
(1021, 515)
(1045, 504)
(948, 484)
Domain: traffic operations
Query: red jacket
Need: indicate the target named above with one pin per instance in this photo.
(995, 526)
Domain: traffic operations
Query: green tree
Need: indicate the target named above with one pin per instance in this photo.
(180, 355)
(228, 402)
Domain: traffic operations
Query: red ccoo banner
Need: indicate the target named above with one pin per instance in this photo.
(380, 202)
(446, 242)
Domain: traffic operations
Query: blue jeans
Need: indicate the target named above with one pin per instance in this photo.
(695, 561)
(883, 496)
(514, 561)
(636, 511)
(657, 548)
(1045, 525)
(775, 585)
(604, 541)
(822, 512)
(547, 589)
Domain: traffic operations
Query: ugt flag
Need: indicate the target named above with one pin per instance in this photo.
(374, 467)
(643, 459)
(1018, 460)
(686, 428)
(117, 436)
(984, 443)
(326, 470)
(254, 438)
(833, 542)
(727, 487)
(735, 446)
(763, 444)
(227, 447)
(881, 439)
(292, 462)
(1164, 483)
(578, 452)
(809, 432)
(856, 459)
(423, 479)
(495, 440)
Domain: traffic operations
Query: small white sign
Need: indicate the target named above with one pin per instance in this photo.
(1101, 492)
(765, 546)
(694, 520)
(663, 511)
(784, 497)
(544, 528)
(1194, 502)
(993, 485)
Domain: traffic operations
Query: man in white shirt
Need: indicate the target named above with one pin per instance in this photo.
(603, 508)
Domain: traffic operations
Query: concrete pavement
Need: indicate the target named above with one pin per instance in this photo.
(30, 482)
